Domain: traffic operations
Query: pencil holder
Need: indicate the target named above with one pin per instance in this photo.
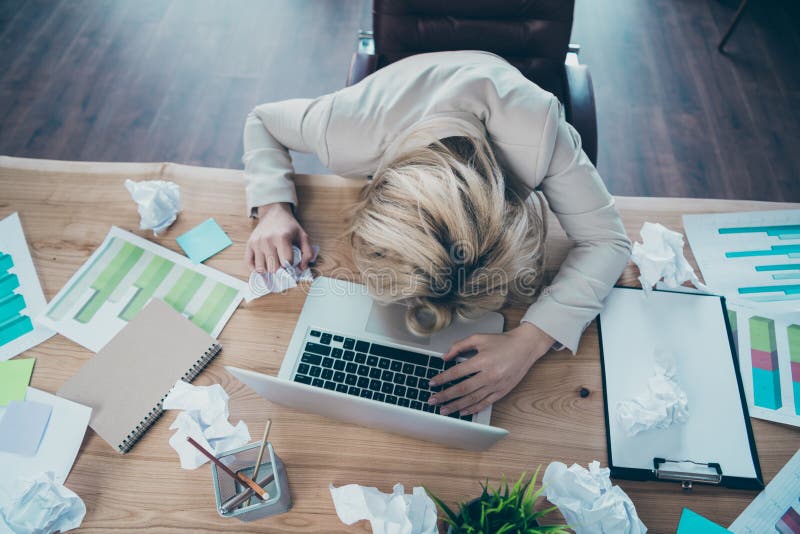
(242, 460)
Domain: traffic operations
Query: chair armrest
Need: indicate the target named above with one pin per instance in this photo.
(361, 66)
(580, 107)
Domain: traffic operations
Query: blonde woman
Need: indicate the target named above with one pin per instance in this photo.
(455, 143)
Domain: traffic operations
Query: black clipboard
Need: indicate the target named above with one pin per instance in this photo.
(686, 471)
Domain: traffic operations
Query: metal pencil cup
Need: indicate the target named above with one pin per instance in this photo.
(243, 460)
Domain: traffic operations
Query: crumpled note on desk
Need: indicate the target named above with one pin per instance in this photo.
(664, 404)
(284, 278)
(39, 505)
(387, 513)
(660, 256)
(205, 419)
(158, 201)
(588, 501)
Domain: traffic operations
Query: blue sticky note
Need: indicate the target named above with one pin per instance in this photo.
(693, 523)
(204, 240)
(22, 427)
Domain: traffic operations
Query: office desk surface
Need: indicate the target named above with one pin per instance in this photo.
(68, 207)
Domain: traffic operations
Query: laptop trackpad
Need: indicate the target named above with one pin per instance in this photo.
(389, 320)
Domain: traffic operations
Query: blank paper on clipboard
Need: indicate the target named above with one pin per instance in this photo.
(693, 328)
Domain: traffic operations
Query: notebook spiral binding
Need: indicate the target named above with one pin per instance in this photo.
(157, 410)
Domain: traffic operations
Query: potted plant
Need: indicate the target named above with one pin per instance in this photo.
(505, 510)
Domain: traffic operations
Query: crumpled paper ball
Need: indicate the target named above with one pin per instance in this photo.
(40, 505)
(284, 278)
(588, 501)
(660, 256)
(158, 202)
(663, 404)
(387, 513)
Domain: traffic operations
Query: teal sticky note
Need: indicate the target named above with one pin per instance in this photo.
(694, 523)
(204, 240)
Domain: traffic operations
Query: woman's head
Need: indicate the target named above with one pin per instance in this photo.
(441, 229)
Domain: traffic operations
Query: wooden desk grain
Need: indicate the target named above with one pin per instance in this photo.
(66, 210)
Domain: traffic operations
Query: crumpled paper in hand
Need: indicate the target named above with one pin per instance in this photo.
(284, 278)
(387, 513)
(664, 404)
(40, 505)
(588, 501)
(660, 255)
(158, 201)
(205, 419)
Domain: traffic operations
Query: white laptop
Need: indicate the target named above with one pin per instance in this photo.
(353, 359)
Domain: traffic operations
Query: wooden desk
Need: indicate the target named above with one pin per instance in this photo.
(66, 210)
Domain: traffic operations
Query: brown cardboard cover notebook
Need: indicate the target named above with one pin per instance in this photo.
(126, 382)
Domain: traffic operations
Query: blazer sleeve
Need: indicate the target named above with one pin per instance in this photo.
(270, 131)
(585, 209)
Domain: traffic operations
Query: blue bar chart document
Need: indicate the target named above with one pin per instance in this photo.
(750, 257)
(753, 259)
(121, 277)
(21, 296)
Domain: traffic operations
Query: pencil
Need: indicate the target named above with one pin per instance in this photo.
(244, 495)
(261, 453)
(236, 476)
(261, 450)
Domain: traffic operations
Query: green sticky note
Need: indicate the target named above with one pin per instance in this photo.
(694, 523)
(204, 240)
(14, 378)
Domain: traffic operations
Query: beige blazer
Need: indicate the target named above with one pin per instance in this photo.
(354, 129)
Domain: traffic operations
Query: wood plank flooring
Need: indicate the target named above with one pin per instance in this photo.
(172, 80)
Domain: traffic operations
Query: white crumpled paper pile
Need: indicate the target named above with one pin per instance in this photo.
(664, 404)
(387, 513)
(205, 419)
(660, 256)
(284, 278)
(39, 505)
(588, 501)
(158, 201)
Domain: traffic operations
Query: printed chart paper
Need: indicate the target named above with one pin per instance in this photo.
(777, 508)
(21, 296)
(769, 359)
(123, 274)
(753, 259)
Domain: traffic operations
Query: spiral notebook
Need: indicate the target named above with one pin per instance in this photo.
(126, 382)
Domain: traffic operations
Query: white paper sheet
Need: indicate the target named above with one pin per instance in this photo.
(102, 295)
(60, 444)
(692, 327)
(735, 251)
(781, 498)
(12, 242)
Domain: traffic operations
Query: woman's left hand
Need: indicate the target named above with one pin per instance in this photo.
(501, 362)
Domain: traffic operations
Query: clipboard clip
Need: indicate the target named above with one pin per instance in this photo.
(687, 472)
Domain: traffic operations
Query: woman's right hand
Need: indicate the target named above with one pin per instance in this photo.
(270, 244)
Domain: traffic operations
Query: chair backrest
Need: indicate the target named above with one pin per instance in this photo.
(533, 35)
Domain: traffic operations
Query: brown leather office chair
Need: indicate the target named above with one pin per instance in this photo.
(533, 35)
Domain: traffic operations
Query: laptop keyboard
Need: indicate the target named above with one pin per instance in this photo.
(372, 371)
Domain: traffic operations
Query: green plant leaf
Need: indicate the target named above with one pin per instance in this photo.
(451, 516)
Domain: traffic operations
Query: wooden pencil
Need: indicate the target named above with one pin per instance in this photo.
(236, 476)
(261, 449)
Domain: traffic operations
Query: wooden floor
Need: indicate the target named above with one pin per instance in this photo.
(172, 80)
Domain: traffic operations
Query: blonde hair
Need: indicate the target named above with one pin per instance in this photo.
(441, 229)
